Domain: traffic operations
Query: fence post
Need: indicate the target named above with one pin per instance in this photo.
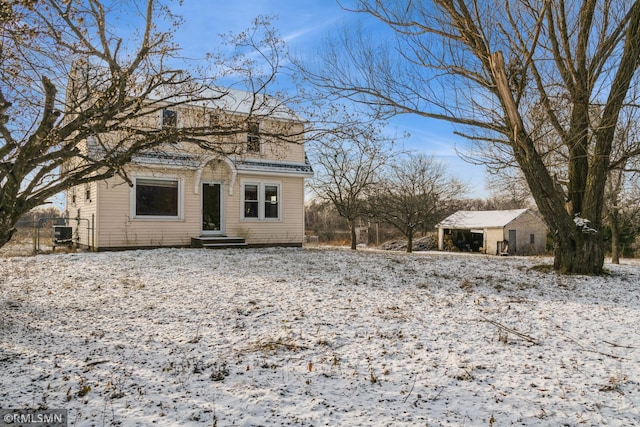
(35, 242)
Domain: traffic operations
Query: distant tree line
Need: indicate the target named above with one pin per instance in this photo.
(39, 216)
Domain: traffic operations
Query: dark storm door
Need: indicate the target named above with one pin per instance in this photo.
(512, 242)
(212, 218)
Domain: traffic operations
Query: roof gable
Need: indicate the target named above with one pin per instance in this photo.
(480, 219)
(230, 100)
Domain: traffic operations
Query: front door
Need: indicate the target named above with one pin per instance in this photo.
(212, 218)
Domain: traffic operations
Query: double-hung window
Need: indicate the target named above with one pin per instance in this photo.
(156, 198)
(271, 202)
(251, 200)
(261, 200)
(253, 137)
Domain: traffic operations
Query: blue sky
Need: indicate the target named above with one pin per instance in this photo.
(303, 24)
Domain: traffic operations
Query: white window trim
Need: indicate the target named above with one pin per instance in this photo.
(132, 199)
(243, 184)
(261, 199)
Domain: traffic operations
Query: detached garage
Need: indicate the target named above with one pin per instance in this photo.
(506, 232)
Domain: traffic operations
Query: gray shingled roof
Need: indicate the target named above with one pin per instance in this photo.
(270, 166)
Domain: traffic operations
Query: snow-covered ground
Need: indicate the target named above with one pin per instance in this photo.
(318, 337)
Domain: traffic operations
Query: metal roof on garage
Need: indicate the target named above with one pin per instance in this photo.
(480, 219)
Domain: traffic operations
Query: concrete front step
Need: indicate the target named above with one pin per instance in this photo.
(224, 245)
(218, 242)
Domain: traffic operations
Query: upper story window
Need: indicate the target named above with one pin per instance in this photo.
(253, 137)
(169, 118)
(214, 119)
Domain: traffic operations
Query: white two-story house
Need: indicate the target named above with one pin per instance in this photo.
(182, 195)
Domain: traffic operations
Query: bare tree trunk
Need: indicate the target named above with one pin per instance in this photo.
(583, 253)
(7, 228)
(615, 236)
(410, 242)
(575, 252)
(352, 227)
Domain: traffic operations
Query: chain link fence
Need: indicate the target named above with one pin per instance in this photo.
(36, 233)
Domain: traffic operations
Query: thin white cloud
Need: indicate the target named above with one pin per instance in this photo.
(297, 34)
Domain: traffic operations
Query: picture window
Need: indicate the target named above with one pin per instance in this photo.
(157, 198)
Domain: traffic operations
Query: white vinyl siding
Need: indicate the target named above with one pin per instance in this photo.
(111, 205)
(117, 229)
(289, 229)
(82, 210)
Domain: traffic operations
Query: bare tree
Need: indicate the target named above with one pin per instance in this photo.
(414, 194)
(508, 190)
(348, 164)
(488, 66)
(114, 83)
